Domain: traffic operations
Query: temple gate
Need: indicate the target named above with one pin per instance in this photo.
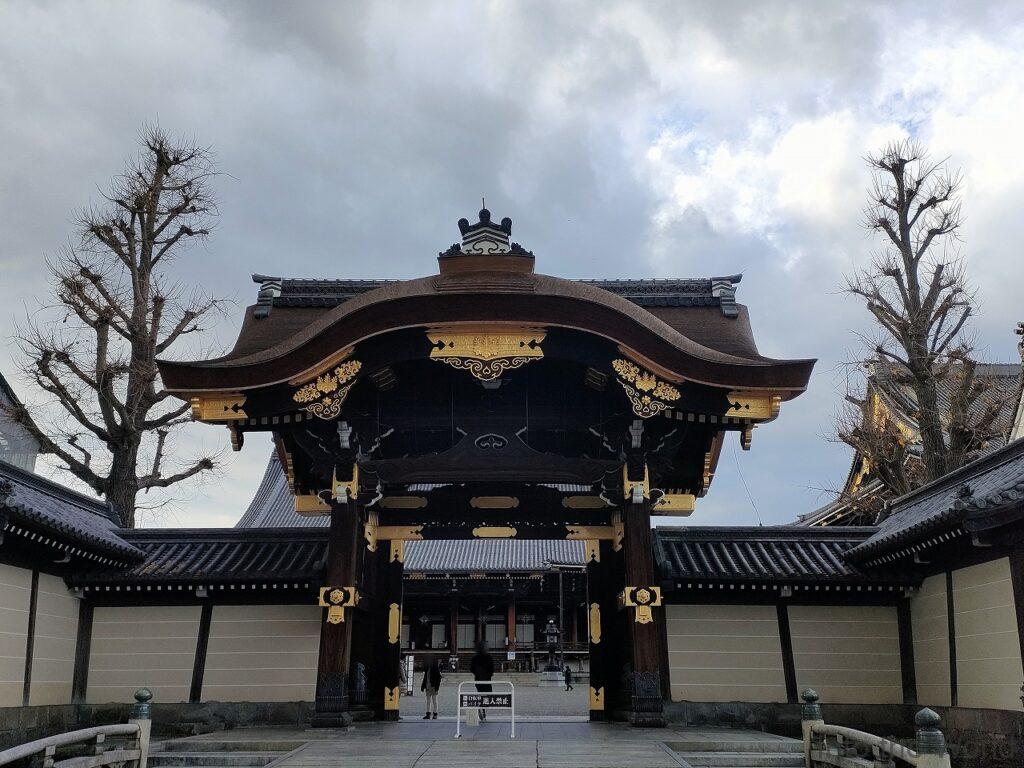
(490, 401)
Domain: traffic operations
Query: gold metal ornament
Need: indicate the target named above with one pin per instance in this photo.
(642, 599)
(324, 397)
(394, 622)
(311, 505)
(397, 551)
(595, 623)
(597, 698)
(754, 406)
(391, 698)
(593, 551)
(648, 394)
(218, 407)
(346, 490)
(486, 354)
(336, 600)
(675, 504)
(494, 532)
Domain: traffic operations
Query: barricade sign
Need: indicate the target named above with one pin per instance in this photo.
(494, 699)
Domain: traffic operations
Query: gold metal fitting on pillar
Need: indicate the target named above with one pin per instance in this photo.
(595, 623)
(346, 490)
(597, 698)
(394, 623)
(370, 530)
(636, 491)
(642, 599)
(336, 600)
(391, 698)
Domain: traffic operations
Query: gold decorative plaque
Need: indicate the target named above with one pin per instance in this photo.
(648, 394)
(486, 354)
(324, 397)
(218, 407)
(595, 623)
(336, 600)
(642, 599)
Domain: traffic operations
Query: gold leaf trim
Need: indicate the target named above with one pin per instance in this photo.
(324, 397)
(647, 394)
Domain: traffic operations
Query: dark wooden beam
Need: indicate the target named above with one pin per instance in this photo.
(1017, 577)
(908, 672)
(202, 643)
(786, 643)
(30, 638)
(83, 645)
(951, 626)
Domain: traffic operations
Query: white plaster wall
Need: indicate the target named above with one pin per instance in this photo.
(15, 597)
(931, 642)
(725, 653)
(988, 658)
(262, 653)
(53, 649)
(142, 646)
(848, 654)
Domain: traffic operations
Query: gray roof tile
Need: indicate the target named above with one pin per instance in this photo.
(69, 516)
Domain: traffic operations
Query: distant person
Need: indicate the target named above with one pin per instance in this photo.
(430, 686)
(482, 668)
(567, 673)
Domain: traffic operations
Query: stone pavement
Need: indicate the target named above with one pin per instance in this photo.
(540, 743)
(530, 700)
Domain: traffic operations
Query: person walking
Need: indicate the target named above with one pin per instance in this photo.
(430, 686)
(482, 668)
(567, 673)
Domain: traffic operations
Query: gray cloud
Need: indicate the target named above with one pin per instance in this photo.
(352, 136)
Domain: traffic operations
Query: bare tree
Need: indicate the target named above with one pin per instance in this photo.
(94, 351)
(917, 292)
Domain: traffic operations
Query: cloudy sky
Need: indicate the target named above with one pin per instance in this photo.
(624, 139)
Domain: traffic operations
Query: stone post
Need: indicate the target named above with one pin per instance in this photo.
(141, 713)
(931, 744)
(810, 715)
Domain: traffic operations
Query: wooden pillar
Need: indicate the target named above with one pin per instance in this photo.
(600, 610)
(453, 627)
(1017, 579)
(510, 623)
(646, 706)
(390, 557)
(332, 683)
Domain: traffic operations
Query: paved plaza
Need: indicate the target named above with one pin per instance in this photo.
(530, 700)
(538, 744)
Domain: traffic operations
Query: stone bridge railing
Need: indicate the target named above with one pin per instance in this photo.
(132, 753)
(834, 745)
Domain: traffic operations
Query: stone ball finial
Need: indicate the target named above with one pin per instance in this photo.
(141, 710)
(810, 695)
(927, 718)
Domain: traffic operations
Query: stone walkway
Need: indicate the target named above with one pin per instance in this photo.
(538, 744)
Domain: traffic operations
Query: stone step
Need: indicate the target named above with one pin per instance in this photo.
(227, 745)
(780, 746)
(743, 759)
(222, 758)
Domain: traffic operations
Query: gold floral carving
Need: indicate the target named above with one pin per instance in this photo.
(486, 355)
(648, 394)
(324, 397)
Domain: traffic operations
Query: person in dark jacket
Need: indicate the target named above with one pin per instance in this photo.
(430, 686)
(567, 673)
(482, 668)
